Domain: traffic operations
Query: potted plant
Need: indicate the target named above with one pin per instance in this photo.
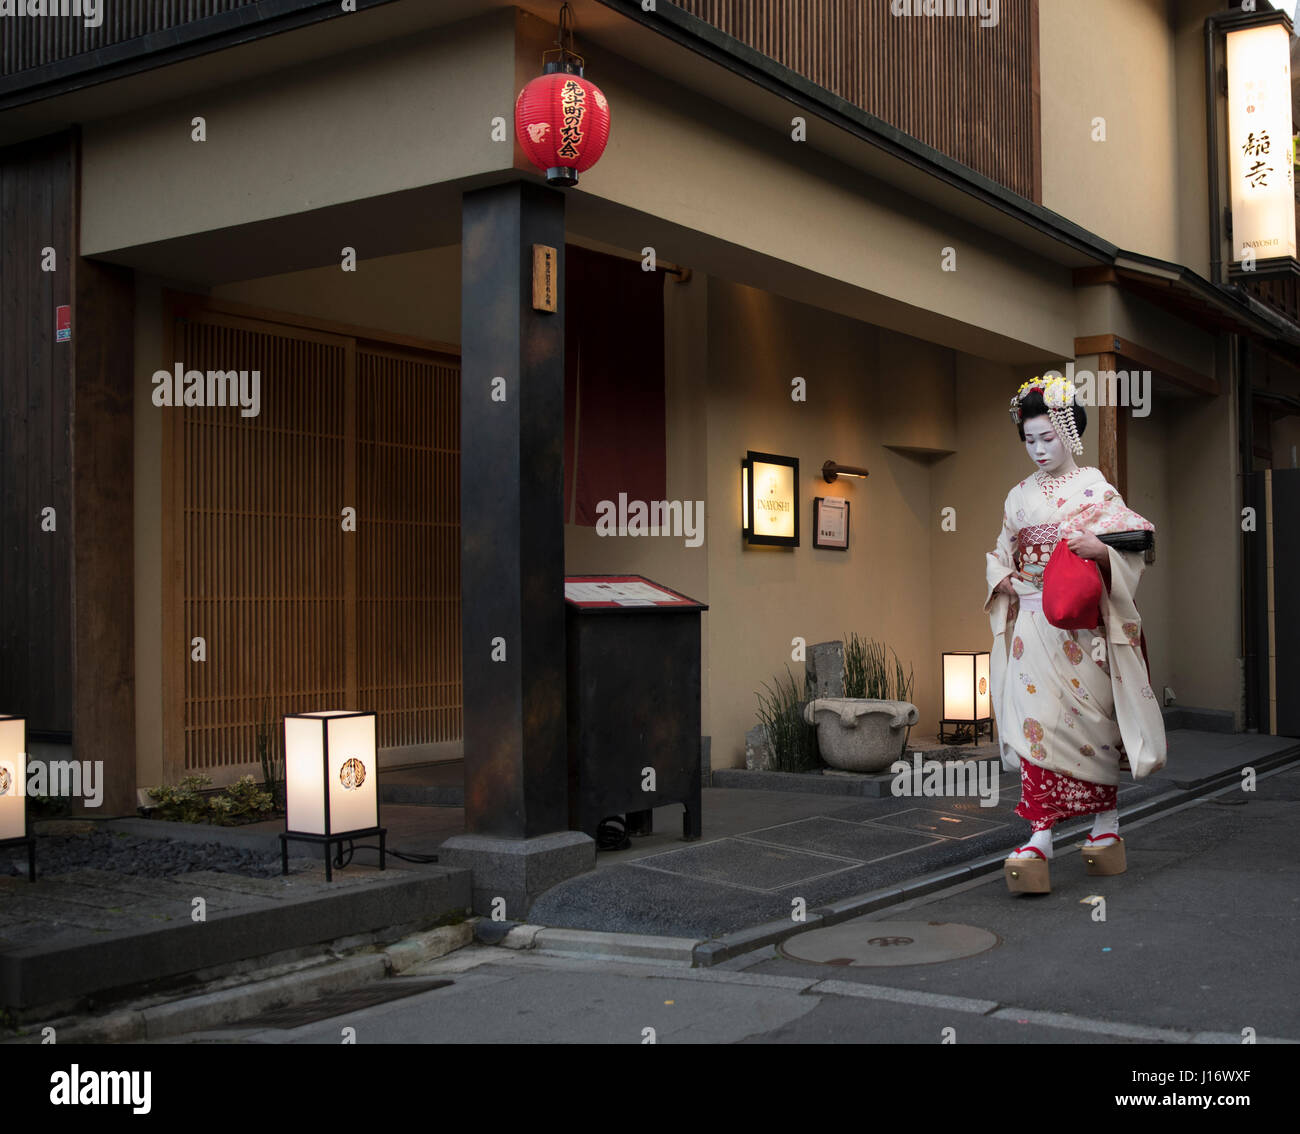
(866, 730)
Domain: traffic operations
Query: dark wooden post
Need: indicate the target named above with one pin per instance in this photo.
(512, 516)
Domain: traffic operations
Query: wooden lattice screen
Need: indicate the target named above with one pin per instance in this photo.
(408, 578)
(297, 613)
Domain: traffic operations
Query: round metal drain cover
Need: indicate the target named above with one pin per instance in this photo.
(886, 944)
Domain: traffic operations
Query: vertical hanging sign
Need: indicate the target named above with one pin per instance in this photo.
(543, 277)
(63, 323)
(1259, 136)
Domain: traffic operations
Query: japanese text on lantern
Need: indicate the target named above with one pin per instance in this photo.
(573, 106)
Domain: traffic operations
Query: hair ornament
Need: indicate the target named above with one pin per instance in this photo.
(1058, 394)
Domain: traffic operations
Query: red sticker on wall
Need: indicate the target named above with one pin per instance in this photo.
(63, 323)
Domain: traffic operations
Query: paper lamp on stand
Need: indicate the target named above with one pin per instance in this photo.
(967, 702)
(13, 790)
(331, 782)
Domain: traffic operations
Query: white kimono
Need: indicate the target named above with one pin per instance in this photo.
(1064, 700)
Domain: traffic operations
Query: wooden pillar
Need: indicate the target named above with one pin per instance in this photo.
(103, 341)
(1111, 458)
(37, 186)
(512, 516)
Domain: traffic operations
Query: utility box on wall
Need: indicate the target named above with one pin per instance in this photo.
(633, 701)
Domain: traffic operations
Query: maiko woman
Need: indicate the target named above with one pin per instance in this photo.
(1069, 703)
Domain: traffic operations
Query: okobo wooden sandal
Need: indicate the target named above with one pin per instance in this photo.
(1104, 859)
(1028, 875)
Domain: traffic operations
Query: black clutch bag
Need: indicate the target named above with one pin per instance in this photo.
(1143, 541)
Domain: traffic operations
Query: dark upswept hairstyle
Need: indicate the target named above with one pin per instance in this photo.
(1034, 406)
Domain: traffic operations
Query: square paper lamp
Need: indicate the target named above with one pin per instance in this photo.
(13, 779)
(331, 781)
(967, 699)
(13, 789)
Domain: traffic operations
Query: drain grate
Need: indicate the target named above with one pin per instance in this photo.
(339, 1003)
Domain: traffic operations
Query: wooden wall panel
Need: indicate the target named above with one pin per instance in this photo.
(33, 41)
(37, 202)
(970, 92)
(297, 613)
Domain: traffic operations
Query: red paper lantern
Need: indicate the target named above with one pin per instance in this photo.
(562, 123)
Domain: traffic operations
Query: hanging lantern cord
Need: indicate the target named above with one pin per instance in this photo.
(563, 48)
(564, 41)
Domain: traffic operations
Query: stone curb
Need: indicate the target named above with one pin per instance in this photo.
(429, 946)
(37, 975)
(200, 833)
(593, 943)
(226, 1006)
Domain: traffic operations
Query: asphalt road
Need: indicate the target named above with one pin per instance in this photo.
(1199, 944)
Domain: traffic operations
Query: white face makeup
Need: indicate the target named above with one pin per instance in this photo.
(1045, 447)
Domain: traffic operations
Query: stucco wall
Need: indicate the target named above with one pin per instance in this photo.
(1115, 60)
(397, 116)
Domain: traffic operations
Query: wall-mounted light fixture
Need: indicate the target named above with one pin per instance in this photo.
(13, 789)
(831, 470)
(769, 493)
(966, 696)
(331, 786)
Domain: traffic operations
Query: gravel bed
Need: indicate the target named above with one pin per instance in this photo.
(133, 854)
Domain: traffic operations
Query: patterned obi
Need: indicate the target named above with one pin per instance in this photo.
(1034, 546)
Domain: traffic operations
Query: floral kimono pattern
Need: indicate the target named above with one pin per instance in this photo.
(1068, 702)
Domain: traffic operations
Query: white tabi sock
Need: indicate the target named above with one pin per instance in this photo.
(1042, 840)
(1106, 823)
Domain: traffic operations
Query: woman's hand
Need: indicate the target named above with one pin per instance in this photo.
(1004, 587)
(1087, 546)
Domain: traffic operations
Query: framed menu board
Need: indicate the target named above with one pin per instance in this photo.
(831, 522)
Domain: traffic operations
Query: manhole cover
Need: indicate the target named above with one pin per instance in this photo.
(887, 944)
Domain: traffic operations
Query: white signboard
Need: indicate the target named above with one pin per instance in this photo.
(1259, 143)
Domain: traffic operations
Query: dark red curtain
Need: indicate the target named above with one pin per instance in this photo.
(614, 417)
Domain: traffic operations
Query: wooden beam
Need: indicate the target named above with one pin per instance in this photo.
(1130, 354)
(184, 302)
(1093, 276)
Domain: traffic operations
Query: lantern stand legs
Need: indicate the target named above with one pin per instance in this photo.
(977, 729)
(30, 843)
(328, 841)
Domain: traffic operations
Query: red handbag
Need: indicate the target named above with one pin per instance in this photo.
(1071, 591)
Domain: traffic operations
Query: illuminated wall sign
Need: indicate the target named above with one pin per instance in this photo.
(769, 492)
(1259, 135)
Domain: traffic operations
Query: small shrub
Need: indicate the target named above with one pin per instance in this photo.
(186, 803)
(183, 802)
(791, 741)
(241, 800)
(46, 807)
